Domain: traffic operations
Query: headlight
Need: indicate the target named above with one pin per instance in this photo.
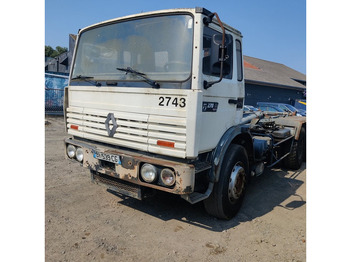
(168, 177)
(149, 173)
(80, 154)
(71, 150)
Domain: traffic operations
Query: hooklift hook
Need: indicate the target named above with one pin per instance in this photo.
(206, 20)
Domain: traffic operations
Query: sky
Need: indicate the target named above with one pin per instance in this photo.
(273, 30)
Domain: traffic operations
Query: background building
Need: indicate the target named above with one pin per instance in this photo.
(62, 62)
(267, 81)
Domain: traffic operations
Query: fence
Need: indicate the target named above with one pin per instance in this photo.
(54, 92)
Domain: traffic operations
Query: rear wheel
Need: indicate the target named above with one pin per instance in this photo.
(227, 196)
(297, 153)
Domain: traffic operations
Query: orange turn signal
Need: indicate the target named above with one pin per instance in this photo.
(74, 127)
(165, 143)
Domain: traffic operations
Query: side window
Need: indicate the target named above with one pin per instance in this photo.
(211, 63)
(239, 60)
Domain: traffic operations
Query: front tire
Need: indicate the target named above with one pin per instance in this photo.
(228, 193)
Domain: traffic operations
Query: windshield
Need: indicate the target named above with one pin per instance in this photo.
(158, 47)
(285, 108)
(291, 107)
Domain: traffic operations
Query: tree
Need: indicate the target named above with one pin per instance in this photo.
(50, 52)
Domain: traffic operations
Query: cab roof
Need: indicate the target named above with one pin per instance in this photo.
(166, 11)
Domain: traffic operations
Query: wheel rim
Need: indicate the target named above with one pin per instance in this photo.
(236, 183)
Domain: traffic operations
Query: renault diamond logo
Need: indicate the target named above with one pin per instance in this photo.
(110, 131)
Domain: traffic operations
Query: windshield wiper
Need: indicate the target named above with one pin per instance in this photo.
(149, 81)
(87, 79)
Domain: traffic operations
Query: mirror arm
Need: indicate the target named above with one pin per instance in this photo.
(222, 58)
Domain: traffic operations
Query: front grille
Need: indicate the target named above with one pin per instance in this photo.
(118, 185)
(135, 130)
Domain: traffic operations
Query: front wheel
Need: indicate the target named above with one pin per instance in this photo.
(227, 196)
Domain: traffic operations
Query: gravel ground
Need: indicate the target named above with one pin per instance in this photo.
(85, 222)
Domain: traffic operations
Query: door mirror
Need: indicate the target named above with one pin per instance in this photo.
(216, 52)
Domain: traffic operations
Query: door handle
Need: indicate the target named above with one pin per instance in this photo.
(238, 102)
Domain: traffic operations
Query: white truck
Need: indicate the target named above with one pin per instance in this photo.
(155, 102)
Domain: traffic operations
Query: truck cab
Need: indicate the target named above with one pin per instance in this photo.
(173, 48)
(154, 101)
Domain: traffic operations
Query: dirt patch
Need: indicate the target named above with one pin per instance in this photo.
(86, 222)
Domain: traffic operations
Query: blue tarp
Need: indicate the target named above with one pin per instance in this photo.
(54, 91)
